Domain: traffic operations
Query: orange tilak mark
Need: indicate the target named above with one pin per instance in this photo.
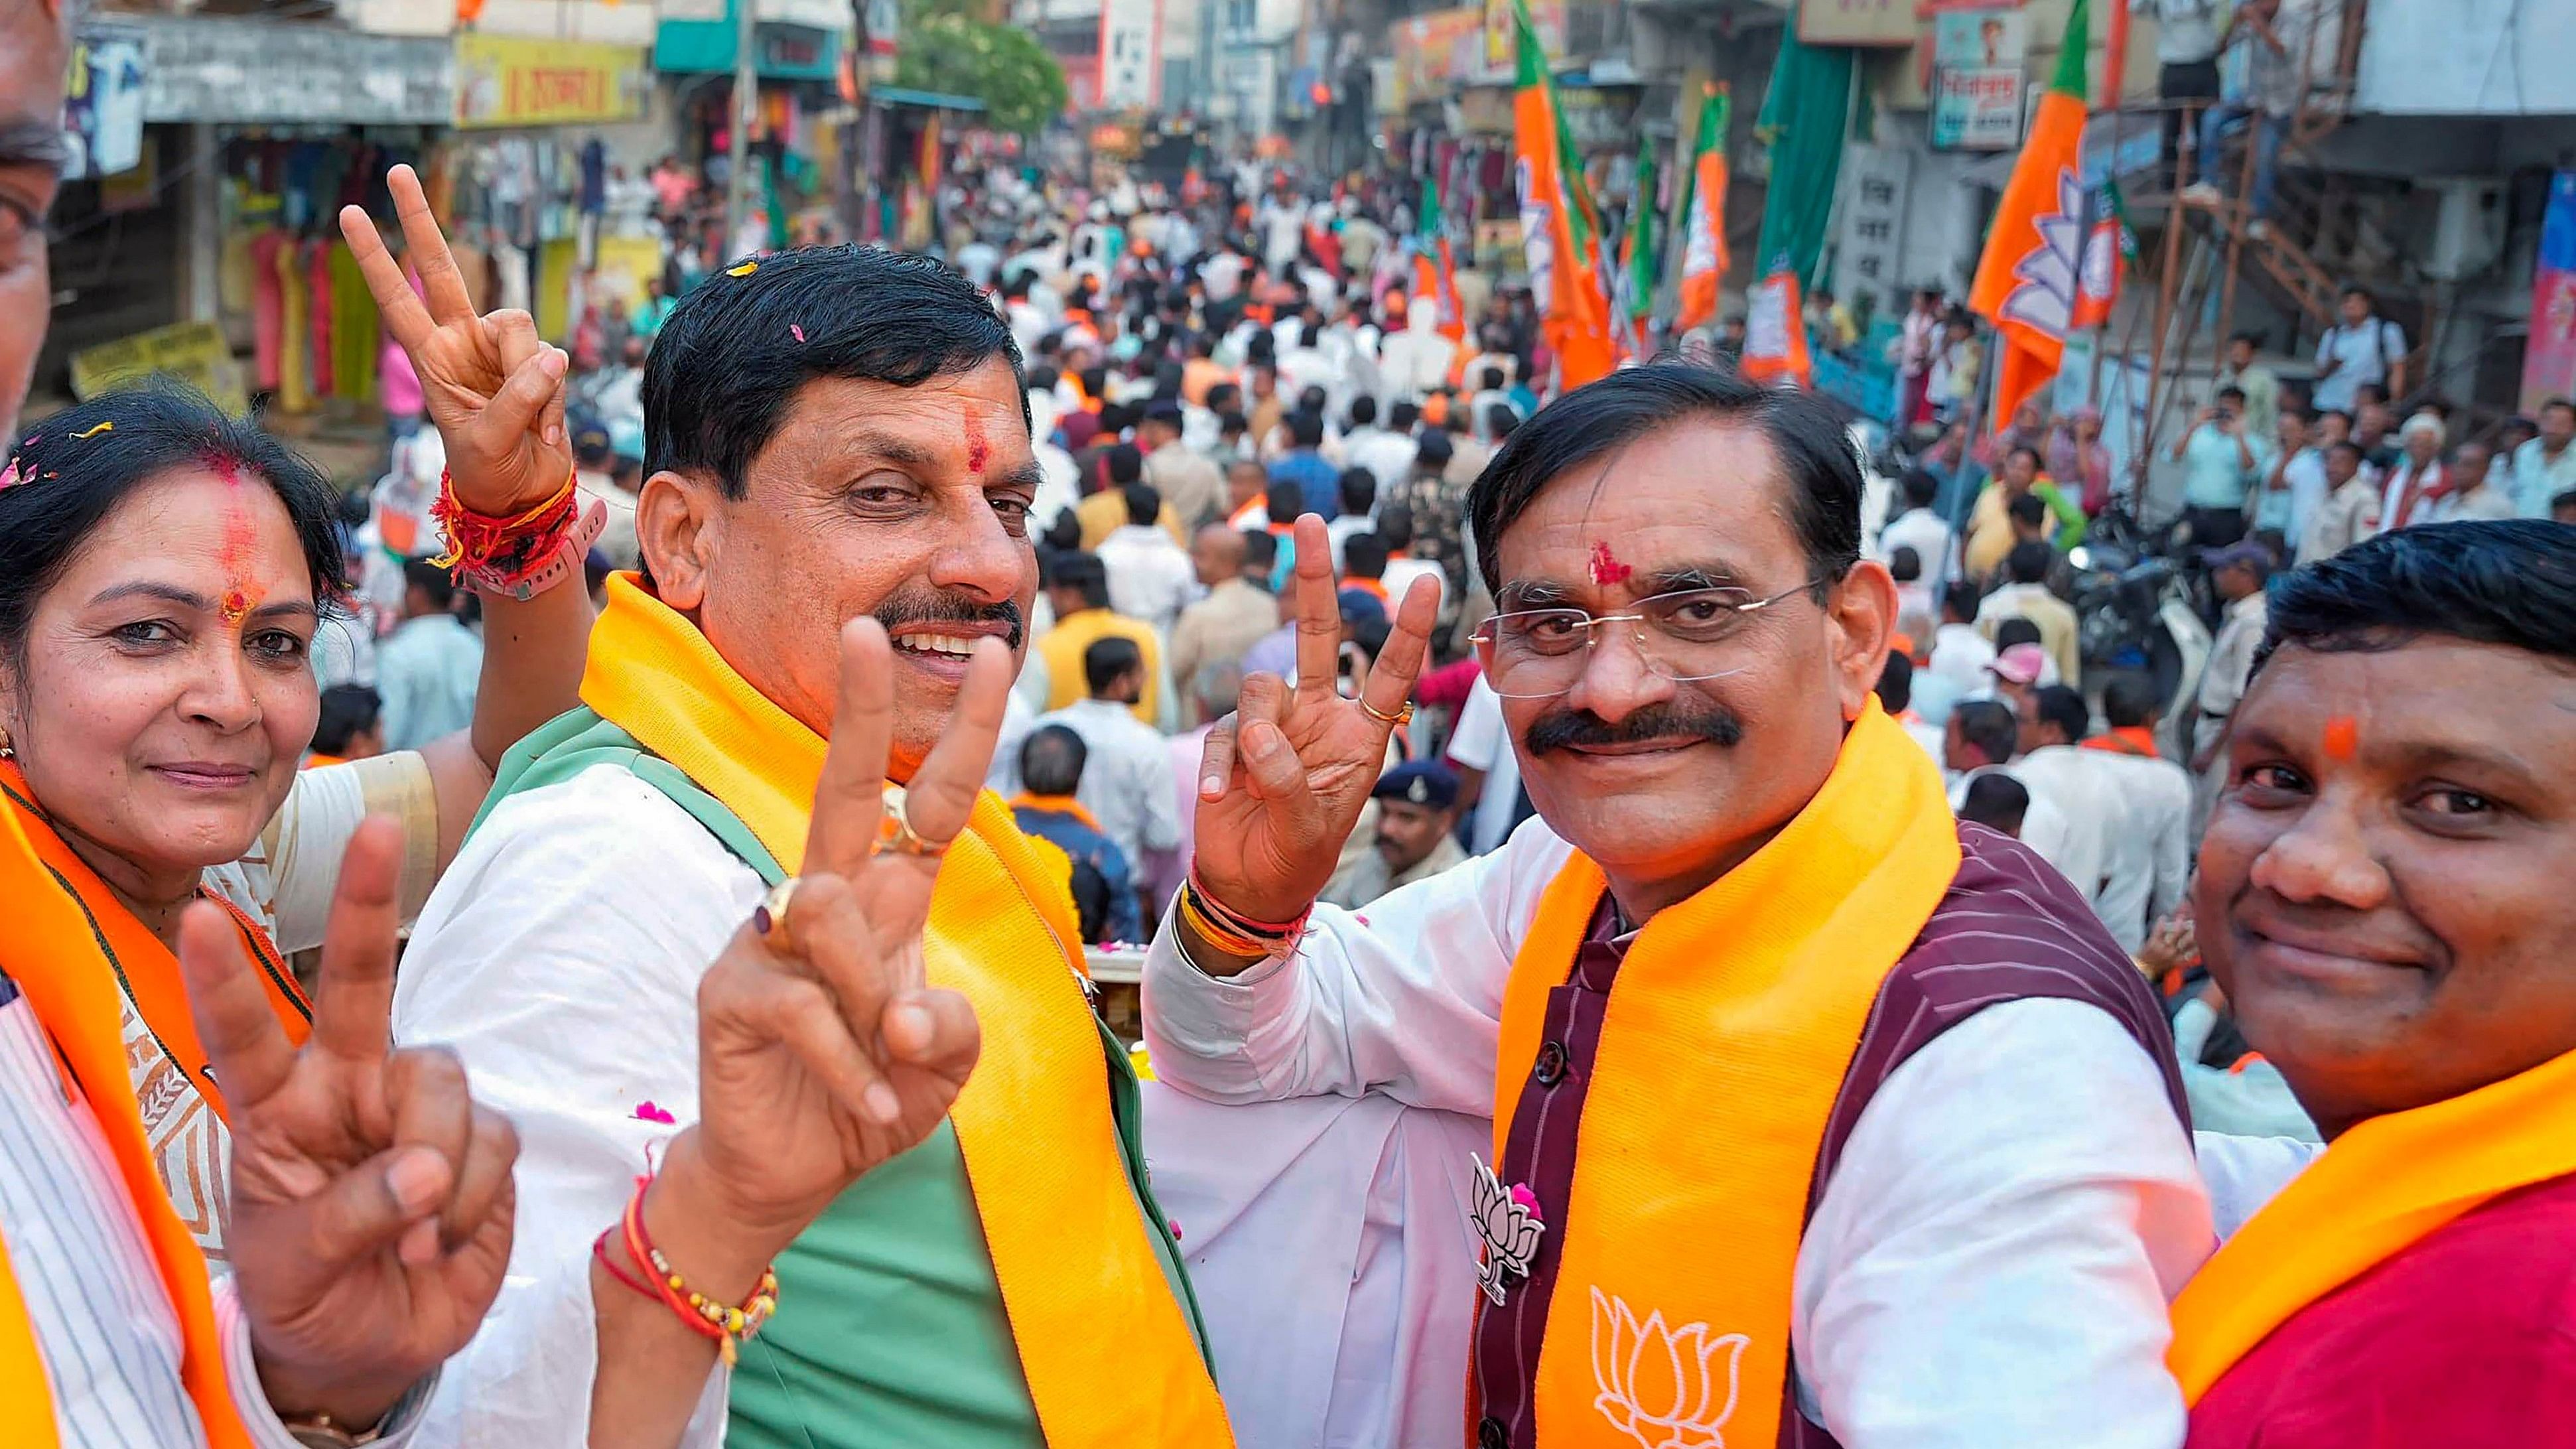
(237, 602)
(1606, 568)
(2342, 737)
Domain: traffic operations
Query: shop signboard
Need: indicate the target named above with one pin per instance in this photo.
(1889, 23)
(103, 104)
(1872, 237)
(1435, 51)
(1131, 68)
(1502, 50)
(193, 352)
(1977, 58)
(240, 71)
(509, 80)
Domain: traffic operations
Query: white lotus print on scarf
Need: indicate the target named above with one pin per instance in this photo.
(1665, 1387)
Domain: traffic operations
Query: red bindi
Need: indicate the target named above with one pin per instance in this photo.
(2342, 737)
(236, 603)
(979, 449)
(1606, 568)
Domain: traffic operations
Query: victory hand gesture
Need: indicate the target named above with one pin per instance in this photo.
(1286, 775)
(820, 1053)
(371, 1198)
(494, 391)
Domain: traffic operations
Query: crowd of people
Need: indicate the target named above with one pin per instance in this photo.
(1575, 863)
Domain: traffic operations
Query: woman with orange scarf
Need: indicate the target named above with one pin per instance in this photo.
(2383, 895)
(162, 570)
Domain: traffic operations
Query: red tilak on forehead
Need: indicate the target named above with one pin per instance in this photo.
(2342, 737)
(1606, 568)
(979, 449)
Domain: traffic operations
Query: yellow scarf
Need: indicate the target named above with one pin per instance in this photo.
(1109, 1356)
(2380, 1189)
(1734, 1018)
(64, 940)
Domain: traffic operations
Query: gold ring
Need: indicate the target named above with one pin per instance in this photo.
(769, 918)
(895, 831)
(1397, 720)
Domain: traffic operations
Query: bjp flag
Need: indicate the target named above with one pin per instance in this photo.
(1556, 233)
(1775, 335)
(2109, 247)
(1435, 267)
(1704, 254)
(2033, 263)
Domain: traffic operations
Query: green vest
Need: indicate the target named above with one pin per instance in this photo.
(890, 1329)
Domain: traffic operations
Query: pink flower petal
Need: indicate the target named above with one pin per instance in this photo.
(645, 1111)
(795, 331)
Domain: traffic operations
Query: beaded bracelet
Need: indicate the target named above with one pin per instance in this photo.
(729, 1326)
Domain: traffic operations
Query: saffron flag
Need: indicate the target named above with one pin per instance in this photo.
(2027, 279)
(1557, 236)
(1704, 254)
(1637, 258)
(1435, 267)
(1775, 334)
(2109, 247)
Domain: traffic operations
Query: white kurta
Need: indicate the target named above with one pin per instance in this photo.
(1989, 1265)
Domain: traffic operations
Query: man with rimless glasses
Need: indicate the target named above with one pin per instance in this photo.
(1818, 1116)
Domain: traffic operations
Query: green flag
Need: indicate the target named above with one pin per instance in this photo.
(1640, 259)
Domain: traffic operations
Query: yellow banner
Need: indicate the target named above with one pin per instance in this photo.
(193, 352)
(509, 80)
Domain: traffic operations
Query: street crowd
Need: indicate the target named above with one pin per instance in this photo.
(1651, 931)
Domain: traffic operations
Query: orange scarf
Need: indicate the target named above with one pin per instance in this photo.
(1055, 805)
(1751, 994)
(67, 941)
(1375, 588)
(2377, 1191)
(1042, 1153)
(2127, 740)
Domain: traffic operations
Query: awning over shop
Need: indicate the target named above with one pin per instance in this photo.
(784, 51)
(927, 100)
(244, 71)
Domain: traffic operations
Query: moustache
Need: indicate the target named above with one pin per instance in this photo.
(943, 608)
(1561, 728)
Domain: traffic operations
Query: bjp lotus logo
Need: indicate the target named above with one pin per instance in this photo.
(1666, 1388)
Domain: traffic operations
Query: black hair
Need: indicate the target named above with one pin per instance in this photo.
(2062, 706)
(1436, 449)
(1904, 564)
(1405, 416)
(1084, 572)
(1896, 682)
(2356, 289)
(728, 364)
(1363, 411)
(1359, 490)
(2231, 391)
(1051, 760)
(1122, 464)
(1225, 397)
(2128, 699)
(1109, 660)
(69, 484)
(2555, 402)
(2250, 339)
(2507, 581)
(1820, 473)
(2560, 501)
(348, 711)
(1305, 429)
(2029, 562)
(2029, 508)
(2015, 630)
(1921, 488)
(1988, 726)
(433, 582)
(1500, 419)
(1311, 399)
(1491, 378)
(2021, 450)
(1996, 801)
(1364, 556)
(1959, 599)
(1260, 551)
(1394, 526)
(1144, 504)
(1286, 500)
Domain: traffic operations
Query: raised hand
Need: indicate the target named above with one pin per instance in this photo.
(1286, 775)
(820, 1052)
(494, 391)
(371, 1198)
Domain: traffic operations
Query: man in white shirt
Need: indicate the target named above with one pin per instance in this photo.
(1975, 1248)
(1150, 578)
(1981, 738)
(429, 668)
(1127, 785)
(1961, 651)
(2362, 348)
(2079, 782)
(2028, 596)
(2475, 491)
(1488, 771)
(2150, 863)
(1386, 452)
(2545, 466)
(1918, 527)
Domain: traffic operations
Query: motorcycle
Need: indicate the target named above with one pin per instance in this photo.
(2138, 610)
